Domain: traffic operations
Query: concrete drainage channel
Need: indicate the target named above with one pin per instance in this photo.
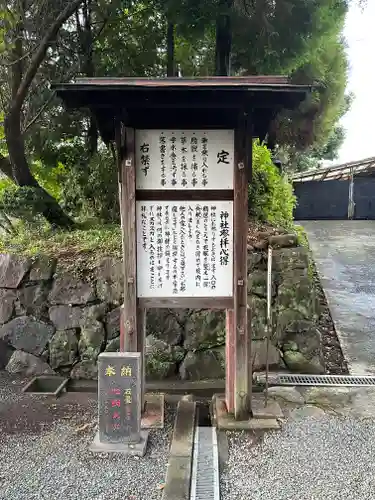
(193, 468)
(205, 466)
(316, 380)
(193, 471)
(46, 385)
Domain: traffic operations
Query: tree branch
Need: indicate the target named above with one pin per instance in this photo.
(97, 35)
(17, 53)
(40, 54)
(20, 59)
(38, 113)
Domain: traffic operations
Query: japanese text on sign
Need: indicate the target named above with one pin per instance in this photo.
(115, 393)
(200, 159)
(185, 249)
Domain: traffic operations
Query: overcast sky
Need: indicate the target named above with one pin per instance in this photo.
(359, 122)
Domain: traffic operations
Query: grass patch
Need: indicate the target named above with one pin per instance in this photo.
(303, 241)
(301, 236)
(87, 240)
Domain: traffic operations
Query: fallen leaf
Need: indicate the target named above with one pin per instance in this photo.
(83, 427)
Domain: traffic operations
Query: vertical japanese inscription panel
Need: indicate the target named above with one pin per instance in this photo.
(185, 249)
(126, 154)
(178, 159)
(119, 391)
(242, 369)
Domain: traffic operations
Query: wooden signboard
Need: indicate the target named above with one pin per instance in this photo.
(184, 196)
(184, 220)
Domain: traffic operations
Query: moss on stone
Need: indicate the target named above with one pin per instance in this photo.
(297, 362)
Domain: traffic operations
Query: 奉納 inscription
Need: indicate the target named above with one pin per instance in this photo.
(119, 386)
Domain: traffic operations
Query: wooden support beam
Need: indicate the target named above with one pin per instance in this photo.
(242, 355)
(230, 352)
(126, 168)
(141, 346)
(183, 195)
(186, 302)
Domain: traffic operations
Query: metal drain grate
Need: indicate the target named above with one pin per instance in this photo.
(327, 380)
(205, 469)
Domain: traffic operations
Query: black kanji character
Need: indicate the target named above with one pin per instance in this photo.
(145, 148)
(222, 157)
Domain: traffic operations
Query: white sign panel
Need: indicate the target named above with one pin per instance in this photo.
(177, 159)
(184, 249)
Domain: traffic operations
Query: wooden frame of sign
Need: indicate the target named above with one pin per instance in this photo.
(243, 106)
(238, 344)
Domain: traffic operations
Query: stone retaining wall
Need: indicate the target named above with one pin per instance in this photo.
(54, 321)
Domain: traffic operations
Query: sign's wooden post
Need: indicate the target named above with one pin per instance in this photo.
(242, 380)
(133, 321)
(230, 354)
(128, 340)
(141, 341)
(188, 253)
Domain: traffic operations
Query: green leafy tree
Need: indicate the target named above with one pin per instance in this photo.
(294, 160)
(22, 56)
(152, 38)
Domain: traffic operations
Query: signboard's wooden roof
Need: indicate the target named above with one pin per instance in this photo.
(150, 103)
(83, 90)
(276, 82)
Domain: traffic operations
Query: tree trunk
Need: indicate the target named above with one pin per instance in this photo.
(92, 136)
(223, 40)
(170, 50)
(54, 214)
(87, 67)
(20, 168)
(21, 81)
(22, 175)
(12, 124)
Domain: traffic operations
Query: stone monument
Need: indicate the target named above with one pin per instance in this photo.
(120, 404)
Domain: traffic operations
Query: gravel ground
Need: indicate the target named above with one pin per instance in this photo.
(44, 452)
(328, 458)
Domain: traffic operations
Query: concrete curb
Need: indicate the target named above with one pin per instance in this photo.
(224, 421)
(153, 416)
(178, 479)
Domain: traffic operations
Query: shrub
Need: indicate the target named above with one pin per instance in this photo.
(271, 197)
(23, 202)
(51, 179)
(27, 203)
(91, 188)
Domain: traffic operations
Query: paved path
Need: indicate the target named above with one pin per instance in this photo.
(344, 253)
